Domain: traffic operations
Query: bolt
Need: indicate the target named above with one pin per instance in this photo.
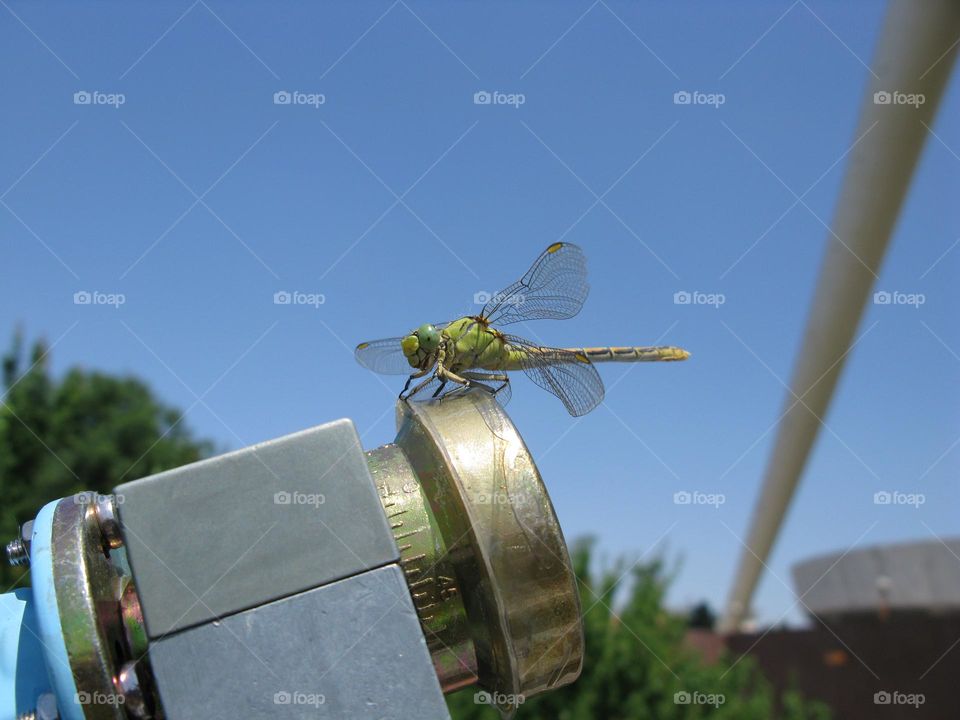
(18, 550)
(17, 553)
(105, 509)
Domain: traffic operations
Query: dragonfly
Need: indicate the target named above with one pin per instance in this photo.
(472, 352)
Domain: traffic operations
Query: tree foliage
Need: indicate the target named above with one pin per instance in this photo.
(84, 431)
(702, 617)
(637, 667)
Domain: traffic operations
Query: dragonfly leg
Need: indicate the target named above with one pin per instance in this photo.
(404, 394)
(475, 381)
(444, 375)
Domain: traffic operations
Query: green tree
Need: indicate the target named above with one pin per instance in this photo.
(702, 617)
(636, 662)
(84, 431)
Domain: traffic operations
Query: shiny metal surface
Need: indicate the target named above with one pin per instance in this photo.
(131, 615)
(88, 590)
(17, 553)
(18, 549)
(427, 567)
(498, 546)
(105, 509)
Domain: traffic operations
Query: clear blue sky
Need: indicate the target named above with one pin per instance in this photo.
(305, 197)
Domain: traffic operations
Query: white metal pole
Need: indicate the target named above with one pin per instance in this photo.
(916, 51)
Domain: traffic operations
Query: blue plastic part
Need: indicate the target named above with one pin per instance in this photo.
(48, 615)
(23, 672)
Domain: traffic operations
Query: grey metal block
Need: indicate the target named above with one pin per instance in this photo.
(351, 649)
(226, 534)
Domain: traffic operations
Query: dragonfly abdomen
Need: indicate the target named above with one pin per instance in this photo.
(664, 353)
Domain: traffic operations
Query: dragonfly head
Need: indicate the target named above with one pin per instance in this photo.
(420, 344)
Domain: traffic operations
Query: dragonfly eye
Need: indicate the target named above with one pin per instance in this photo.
(428, 337)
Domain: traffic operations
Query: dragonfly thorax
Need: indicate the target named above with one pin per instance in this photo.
(471, 343)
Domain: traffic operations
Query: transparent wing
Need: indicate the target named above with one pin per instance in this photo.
(553, 288)
(567, 374)
(383, 356)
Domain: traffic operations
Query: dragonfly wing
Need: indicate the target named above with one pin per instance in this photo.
(554, 288)
(567, 374)
(383, 356)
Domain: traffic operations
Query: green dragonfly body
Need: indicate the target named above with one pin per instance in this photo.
(471, 351)
(471, 343)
